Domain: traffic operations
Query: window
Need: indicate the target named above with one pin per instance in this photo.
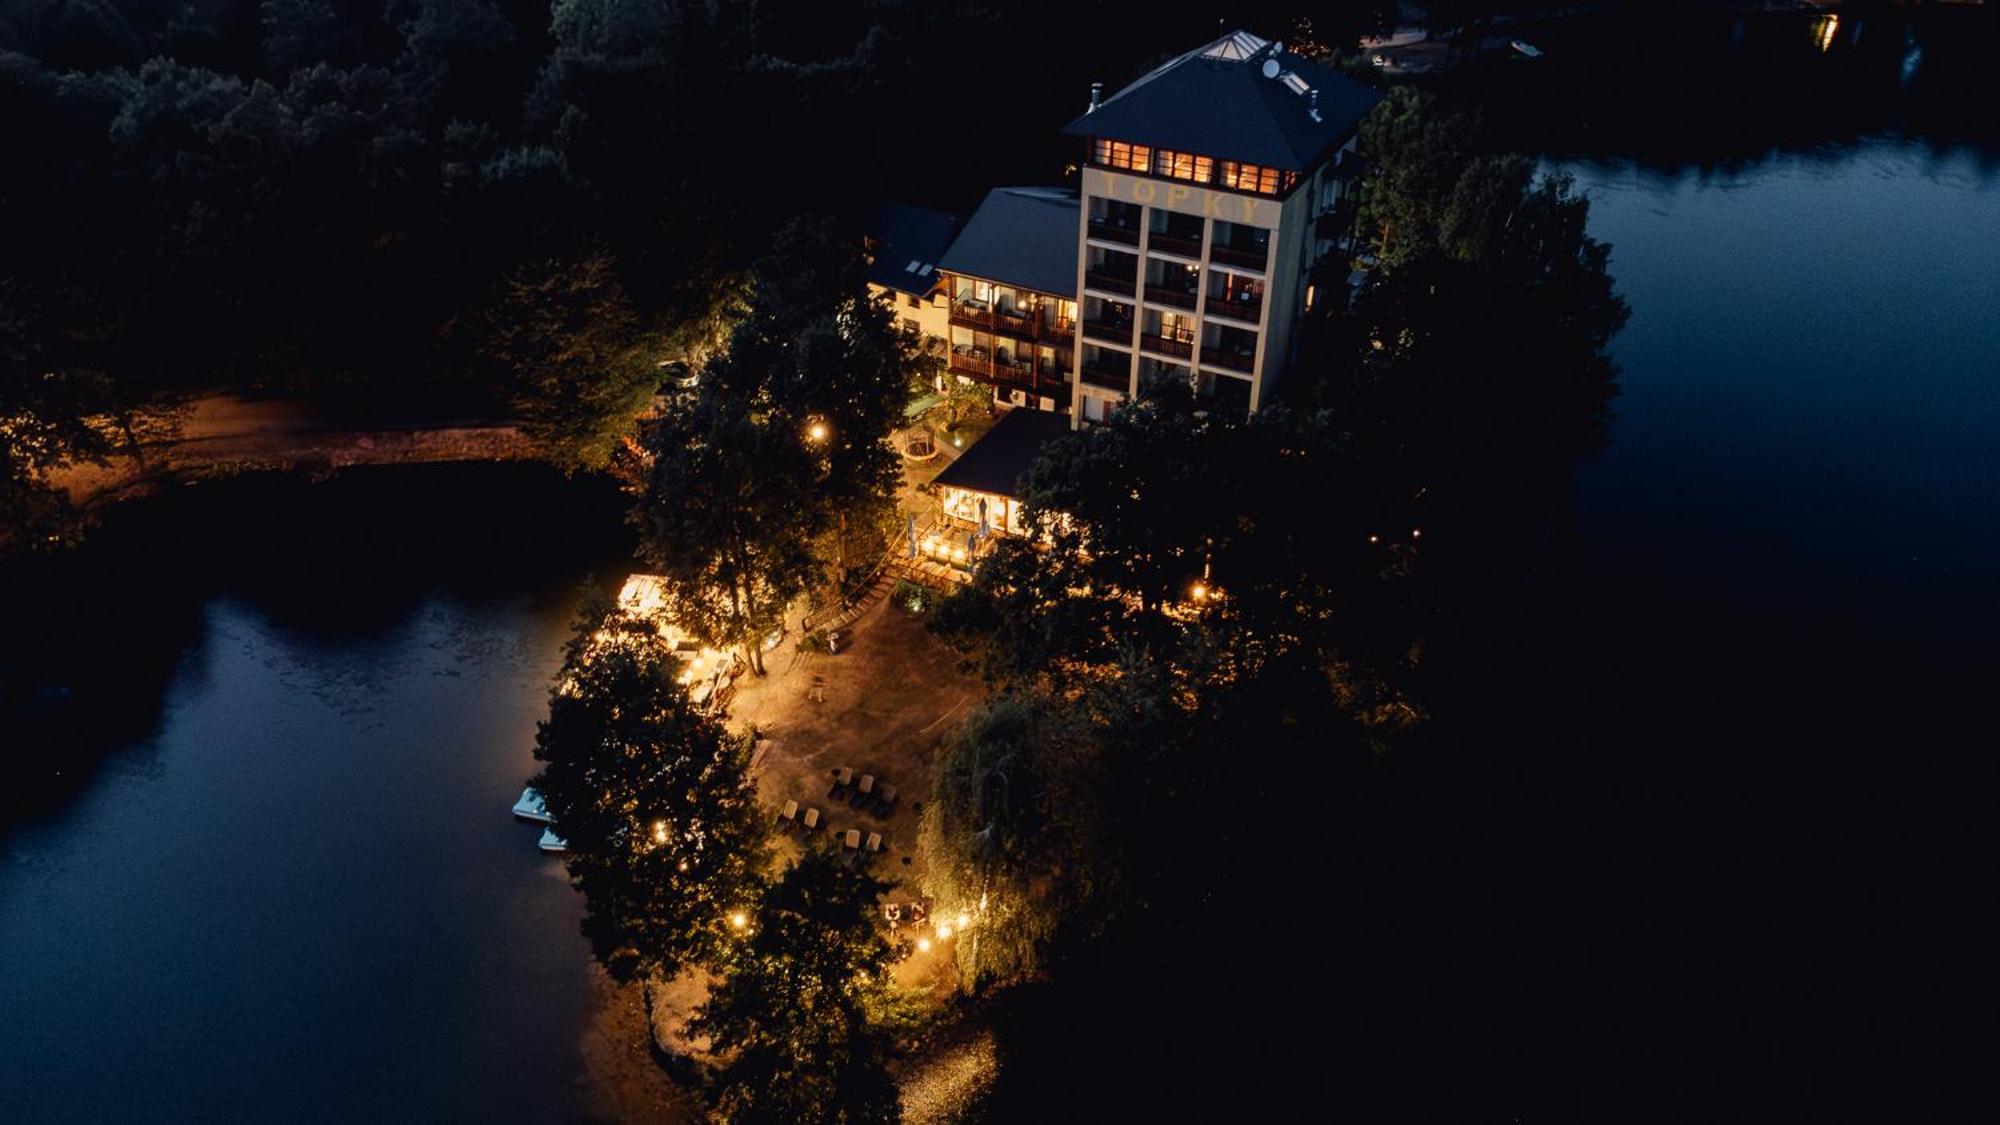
(1250, 177)
(1118, 154)
(1184, 166)
(916, 302)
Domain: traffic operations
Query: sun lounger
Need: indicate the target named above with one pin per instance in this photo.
(874, 842)
(812, 819)
(864, 792)
(886, 802)
(842, 778)
(790, 814)
(851, 839)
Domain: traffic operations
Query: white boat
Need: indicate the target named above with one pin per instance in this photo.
(1527, 49)
(530, 807)
(552, 842)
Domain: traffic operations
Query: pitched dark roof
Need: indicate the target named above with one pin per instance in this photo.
(997, 462)
(908, 243)
(1023, 236)
(1216, 101)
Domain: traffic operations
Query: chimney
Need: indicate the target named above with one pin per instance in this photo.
(1312, 103)
(1096, 96)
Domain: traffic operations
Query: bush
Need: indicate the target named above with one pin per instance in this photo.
(911, 596)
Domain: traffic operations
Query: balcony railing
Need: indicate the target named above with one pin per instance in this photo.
(1059, 327)
(1174, 244)
(1018, 323)
(1110, 331)
(1252, 258)
(977, 314)
(1246, 311)
(1110, 378)
(1112, 232)
(1235, 361)
(971, 362)
(1109, 283)
(1167, 345)
(1165, 295)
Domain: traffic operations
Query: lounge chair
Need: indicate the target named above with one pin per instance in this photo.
(874, 842)
(812, 819)
(790, 813)
(843, 777)
(886, 802)
(850, 839)
(865, 791)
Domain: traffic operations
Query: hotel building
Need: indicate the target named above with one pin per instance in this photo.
(1213, 210)
(1213, 190)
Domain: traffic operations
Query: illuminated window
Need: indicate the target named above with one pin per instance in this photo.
(1184, 166)
(1118, 154)
(1252, 177)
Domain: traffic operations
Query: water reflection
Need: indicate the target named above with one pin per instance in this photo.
(1716, 89)
(95, 637)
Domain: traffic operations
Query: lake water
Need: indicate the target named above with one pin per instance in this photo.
(298, 894)
(256, 864)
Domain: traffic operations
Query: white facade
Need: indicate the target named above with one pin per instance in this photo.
(1213, 285)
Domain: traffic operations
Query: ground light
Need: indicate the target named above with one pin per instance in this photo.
(923, 945)
(817, 432)
(738, 921)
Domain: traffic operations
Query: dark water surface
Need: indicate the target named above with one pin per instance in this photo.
(255, 858)
(294, 892)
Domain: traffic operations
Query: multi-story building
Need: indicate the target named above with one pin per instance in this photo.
(1215, 192)
(904, 245)
(1012, 277)
(1212, 189)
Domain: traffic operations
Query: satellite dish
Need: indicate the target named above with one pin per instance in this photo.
(1272, 67)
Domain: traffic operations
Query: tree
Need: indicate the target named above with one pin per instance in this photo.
(784, 441)
(565, 335)
(791, 1010)
(1012, 834)
(654, 798)
(1417, 146)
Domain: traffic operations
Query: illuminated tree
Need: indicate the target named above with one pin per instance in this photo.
(782, 449)
(1012, 834)
(654, 799)
(791, 1012)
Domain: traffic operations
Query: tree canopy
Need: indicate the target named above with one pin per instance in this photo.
(783, 442)
(654, 798)
(791, 1012)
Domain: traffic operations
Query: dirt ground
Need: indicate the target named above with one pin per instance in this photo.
(881, 706)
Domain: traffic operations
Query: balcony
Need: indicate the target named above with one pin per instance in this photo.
(1247, 257)
(1168, 346)
(972, 314)
(1107, 376)
(1246, 311)
(971, 361)
(1113, 232)
(1163, 295)
(1234, 361)
(1110, 331)
(1059, 328)
(1108, 282)
(1015, 323)
(1174, 244)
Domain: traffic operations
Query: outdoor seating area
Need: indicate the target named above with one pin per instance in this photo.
(862, 795)
(708, 674)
